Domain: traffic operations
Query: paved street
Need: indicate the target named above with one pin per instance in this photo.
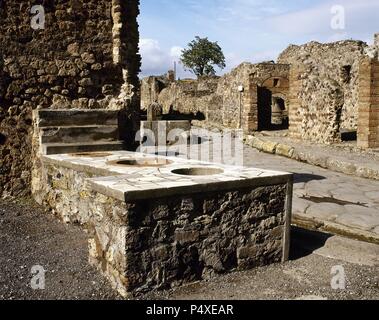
(324, 195)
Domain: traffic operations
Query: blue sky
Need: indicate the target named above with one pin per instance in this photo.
(247, 30)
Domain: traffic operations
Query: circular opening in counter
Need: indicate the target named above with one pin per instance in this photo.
(140, 162)
(200, 171)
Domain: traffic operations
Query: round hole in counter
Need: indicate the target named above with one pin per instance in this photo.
(200, 171)
(140, 162)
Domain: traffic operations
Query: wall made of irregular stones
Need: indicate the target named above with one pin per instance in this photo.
(328, 92)
(68, 64)
(262, 78)
(322, 92)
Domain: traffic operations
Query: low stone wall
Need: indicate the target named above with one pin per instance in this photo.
(164, 242)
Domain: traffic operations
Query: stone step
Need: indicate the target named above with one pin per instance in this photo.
(65, 148)
(73, 117)
(79, 134)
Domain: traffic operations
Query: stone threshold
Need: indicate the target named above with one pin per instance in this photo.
(360, 165)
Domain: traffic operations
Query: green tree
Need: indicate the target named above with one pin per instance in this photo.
(201, 57)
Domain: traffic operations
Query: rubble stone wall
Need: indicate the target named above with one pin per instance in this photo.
(319, 83)
(264, 78)
(328, 92)
(85, 57)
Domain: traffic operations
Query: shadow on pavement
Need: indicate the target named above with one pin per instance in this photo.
(305, 242)
(305, 177)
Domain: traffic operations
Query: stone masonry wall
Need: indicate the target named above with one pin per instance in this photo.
(328, 92)
(147, 245)
(86, 57)
(190, 96)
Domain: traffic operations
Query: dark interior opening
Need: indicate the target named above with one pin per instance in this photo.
(272, 113)
(264, 109)
(349, 135)
(346, 74)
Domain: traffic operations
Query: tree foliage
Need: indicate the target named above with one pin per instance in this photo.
(201, 56)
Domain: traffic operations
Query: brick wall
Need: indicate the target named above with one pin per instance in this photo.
(368, 123)
(295, 78)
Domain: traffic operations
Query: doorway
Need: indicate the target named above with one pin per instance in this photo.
(272, 111)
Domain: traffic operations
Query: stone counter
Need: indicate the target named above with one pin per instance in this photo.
(159, 225)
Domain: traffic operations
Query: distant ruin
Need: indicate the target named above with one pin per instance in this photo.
(317, 91)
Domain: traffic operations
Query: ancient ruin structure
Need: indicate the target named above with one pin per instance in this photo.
(319, 92)
(69, 102)
(85, 58)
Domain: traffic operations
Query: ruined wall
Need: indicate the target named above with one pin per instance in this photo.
(328, 93)
(151, 87)
(190, 96)
(234, 102)
(318, 82)
(219, 99)
(86, 57)
(271, 77)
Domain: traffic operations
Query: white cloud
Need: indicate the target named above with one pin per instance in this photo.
(157, 61)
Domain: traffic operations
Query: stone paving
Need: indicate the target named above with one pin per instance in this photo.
(335, 201)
